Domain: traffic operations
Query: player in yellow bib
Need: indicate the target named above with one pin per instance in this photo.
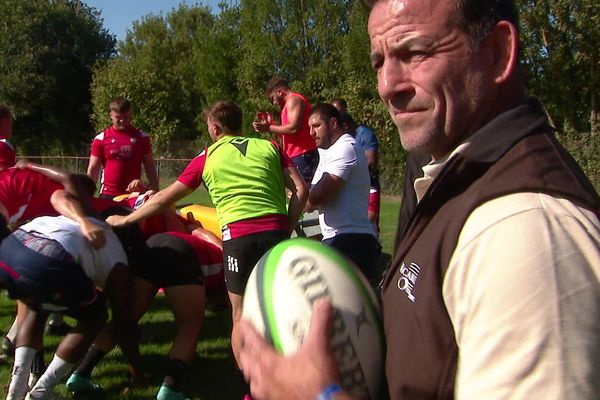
(246, 179)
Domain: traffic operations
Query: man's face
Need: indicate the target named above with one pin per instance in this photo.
(321, 131)
(277, 98)
(433, 84)
(6, 127)
(120, 120)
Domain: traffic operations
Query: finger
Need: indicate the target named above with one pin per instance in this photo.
(254, 349)
(320, 326)
(250, 337)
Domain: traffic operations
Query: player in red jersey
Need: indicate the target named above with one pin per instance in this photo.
(26, 190)
(121, 150)
(294, 130)
(7, 151)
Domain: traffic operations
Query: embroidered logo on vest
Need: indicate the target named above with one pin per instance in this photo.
(407, 281)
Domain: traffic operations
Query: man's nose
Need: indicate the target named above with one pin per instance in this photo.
(392, 78)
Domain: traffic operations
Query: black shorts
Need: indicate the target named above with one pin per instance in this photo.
(240, 255)
(306, 164)
(47, 278)
(362, 249)
(170, 261)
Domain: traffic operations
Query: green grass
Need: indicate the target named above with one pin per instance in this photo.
(212, 374)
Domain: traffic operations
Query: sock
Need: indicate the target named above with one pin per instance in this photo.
(39, 364)
(57, 370)
(174, 371)
(93, 356)
(12, 332)
(20, 373)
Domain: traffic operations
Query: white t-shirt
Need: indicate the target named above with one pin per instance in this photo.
(96, 264)
(348, 211)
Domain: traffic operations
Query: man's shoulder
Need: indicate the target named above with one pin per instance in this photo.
(345, 141)
(296, 98)
(522, 210)
(100, 135)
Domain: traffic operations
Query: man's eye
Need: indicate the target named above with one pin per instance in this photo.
(415, 55)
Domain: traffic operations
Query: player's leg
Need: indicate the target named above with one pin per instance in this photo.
(187, 303)
(29, 341)
(374, 208)
(80, 380)
(80, 299)
(239, 258)
(185, 294)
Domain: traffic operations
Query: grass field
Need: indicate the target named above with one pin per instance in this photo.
(211, 375)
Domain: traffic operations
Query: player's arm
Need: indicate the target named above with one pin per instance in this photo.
(136, 186)
(70, 183)
(372, 156)
(155, 205)
(117, 289)
(208, 236)
(324, 191)
(299, 194)
(56, 174)
(68, 205)
(3, 211)
(94, 168)
(150, 168)
(295, 109)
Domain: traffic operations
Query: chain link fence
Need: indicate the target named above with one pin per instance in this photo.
(168, 169)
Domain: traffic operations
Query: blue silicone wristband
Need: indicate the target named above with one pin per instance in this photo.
(329, 391)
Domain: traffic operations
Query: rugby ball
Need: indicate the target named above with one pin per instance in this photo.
(280, 294)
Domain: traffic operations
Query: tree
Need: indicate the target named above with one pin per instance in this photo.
(170, 67)
(560, 57)
(48, 51)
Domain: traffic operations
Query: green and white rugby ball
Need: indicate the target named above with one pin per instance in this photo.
(280, 295)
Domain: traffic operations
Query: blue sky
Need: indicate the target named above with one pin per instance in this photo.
(119, 15)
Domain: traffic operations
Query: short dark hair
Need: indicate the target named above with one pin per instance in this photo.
(227, 114)
(341, 102)
(86, 183)
(5, 112)
(119, 104)
(347, 121)
(275, 83)
(326, 112)
(478, 17)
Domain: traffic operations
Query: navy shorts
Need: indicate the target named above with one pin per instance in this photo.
(46, 277)
(240, 255)
(362, 249)
(170, 261)
(307, 164)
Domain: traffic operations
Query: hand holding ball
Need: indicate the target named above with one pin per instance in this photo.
(279, 298)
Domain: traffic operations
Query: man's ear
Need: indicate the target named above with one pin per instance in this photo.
(503, 45)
